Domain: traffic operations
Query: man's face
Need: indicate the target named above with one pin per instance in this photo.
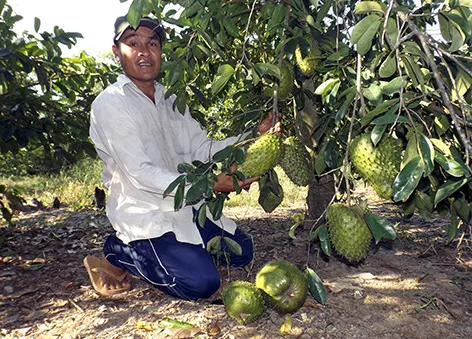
(139, 53)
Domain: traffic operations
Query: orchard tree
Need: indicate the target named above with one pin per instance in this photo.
(365, 74)
(45, 100)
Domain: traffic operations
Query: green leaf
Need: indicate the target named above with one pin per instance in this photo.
(364, 32)
(448, 188)
(214, 244)
(323, 11)
(325, 87)
(452, 226)
(389, 66)
(394, 86)
(380, 227)
(451, 166)
(180, 179)
(323, 235)
(463, 210)
(167, 322)
(231, 28)
(320, 162)
(269, 69)
(202, 215)
(413, 70)
(276, 19)
(184, 167)
(367, 7)
(135, 12)
(196, 191)
(216, 205)
(220, 83)
(377, 133)
(223, 154)
(315, 286)
(179, 197)
(233, 246)
(426, 151)
(408, 178)
(37, 24)
(331, 154)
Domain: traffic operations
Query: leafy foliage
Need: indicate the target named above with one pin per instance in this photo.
(46, 98)
(378, 70)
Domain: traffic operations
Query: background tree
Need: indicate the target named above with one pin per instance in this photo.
(45, 101)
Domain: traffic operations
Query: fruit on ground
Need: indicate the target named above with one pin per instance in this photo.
(284, 285)
(262, 155)
(377, 165)
(308, 64)
(294, 161)
(348, 231)
(243, 301)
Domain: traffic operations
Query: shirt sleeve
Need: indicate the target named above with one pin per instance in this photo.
(203, 147)
(116, 134)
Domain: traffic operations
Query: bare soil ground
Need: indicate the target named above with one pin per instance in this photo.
(416, 286)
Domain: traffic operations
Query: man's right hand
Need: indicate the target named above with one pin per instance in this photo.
(225, 182)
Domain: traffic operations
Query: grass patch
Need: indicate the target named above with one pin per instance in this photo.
(293, 194)
(74, 186)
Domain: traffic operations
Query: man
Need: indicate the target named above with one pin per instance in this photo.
(141, 140)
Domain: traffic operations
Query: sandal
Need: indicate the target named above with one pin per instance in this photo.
(96, 270)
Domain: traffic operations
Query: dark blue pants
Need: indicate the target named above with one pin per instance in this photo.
(179, 269)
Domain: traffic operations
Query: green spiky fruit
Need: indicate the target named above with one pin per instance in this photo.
(287, 77)
(284, 285)
(348, 231)
(286, 80)
(294, 161)
(261, 155)
(377, 165)
(308, 64)
(243, 301)
(271, 197)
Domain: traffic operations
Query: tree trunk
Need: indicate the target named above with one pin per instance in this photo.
(320, 194)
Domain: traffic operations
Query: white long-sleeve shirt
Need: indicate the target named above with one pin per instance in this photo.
(141, 144)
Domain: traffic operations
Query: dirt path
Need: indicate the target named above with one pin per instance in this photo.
(413, 287)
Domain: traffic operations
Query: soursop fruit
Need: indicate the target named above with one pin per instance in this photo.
(377, 165)
(308, 64)
(284, 285)
(295, 161)
(348, 231)
(243, 301)
(287, 77)
(262, 155)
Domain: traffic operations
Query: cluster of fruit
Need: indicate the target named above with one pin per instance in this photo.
(269, 151)
(279, 283)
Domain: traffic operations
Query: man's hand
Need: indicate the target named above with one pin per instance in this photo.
(225, 182)
(266, 125)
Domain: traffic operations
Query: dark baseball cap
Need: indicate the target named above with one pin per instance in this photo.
(122, 24)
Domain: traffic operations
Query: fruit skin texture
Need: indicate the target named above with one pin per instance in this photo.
(294, 161)
(348, 231)
(308, 64)
(378, 166)
(262, 155)
(243, 301)
(285, 286)
(287, 77)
